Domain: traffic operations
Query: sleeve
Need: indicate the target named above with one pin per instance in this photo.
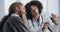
(47, 19)
(30, 26)
(11, 25)
(6, 27)
(52, 26)
(17, 23)
(46, 30)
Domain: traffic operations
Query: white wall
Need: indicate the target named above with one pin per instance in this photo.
(53, 6)
(25, 1)
(7, 4)
(44, 3)
(59, 7)
(1, 8)
(4, 6)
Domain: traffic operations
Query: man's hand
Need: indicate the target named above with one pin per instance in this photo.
(23, 13)
(23, 10)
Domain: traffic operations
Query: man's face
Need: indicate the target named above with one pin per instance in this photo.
(34, 10)
(21, 10)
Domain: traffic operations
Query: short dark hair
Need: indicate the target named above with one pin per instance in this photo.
(36, 3)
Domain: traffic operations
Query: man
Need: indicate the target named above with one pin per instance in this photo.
(15, 21)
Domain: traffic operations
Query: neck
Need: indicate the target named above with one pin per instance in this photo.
(37, 17)
(16, 13)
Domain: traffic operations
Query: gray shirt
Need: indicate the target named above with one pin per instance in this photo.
(14, 24)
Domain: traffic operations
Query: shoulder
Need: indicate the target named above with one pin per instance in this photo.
(29, 21)
(13, 19)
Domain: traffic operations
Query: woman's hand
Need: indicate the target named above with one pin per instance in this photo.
(45, 26)
(54, 19)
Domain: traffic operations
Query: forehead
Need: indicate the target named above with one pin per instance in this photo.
(33, 5)
(19, 6)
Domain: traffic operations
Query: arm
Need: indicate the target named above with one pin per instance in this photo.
(45, 26)
(23, 13)
(24, 19)
(30, 26)
(54, 19)
(53, 23)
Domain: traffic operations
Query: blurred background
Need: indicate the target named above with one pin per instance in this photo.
(49, 6)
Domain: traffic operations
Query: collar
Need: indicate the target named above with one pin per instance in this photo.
(39, 18)
(14, 14)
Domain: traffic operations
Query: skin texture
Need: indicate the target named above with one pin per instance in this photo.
(54, 19)
(34, 11)
(21, 11)
(45, 26)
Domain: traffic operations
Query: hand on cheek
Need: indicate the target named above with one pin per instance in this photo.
(23, 13)
(22, 10)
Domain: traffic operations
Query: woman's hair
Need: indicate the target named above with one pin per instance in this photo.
(28, 9)
(11, 11)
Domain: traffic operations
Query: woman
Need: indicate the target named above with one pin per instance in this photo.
(15, 22)
(36, 21)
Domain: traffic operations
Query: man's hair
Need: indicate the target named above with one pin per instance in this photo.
(28, 9)
(11, 11)
(13, 6)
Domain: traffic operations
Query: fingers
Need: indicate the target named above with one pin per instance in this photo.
(23, 10)
(54, 19)
(45, 26)
(53, 15)
(24, 19)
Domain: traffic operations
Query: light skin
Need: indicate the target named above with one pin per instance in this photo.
(45, 26)
(21, 11)
(54, 17)
(35, 14)
(34, 11)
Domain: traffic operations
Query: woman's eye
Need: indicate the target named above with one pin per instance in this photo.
(35, 7)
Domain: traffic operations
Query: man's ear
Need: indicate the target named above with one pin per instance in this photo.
(17, 9)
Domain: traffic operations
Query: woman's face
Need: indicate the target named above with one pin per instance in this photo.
(34, 10)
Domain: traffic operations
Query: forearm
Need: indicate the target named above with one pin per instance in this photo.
(24, 19)
(54, 21)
